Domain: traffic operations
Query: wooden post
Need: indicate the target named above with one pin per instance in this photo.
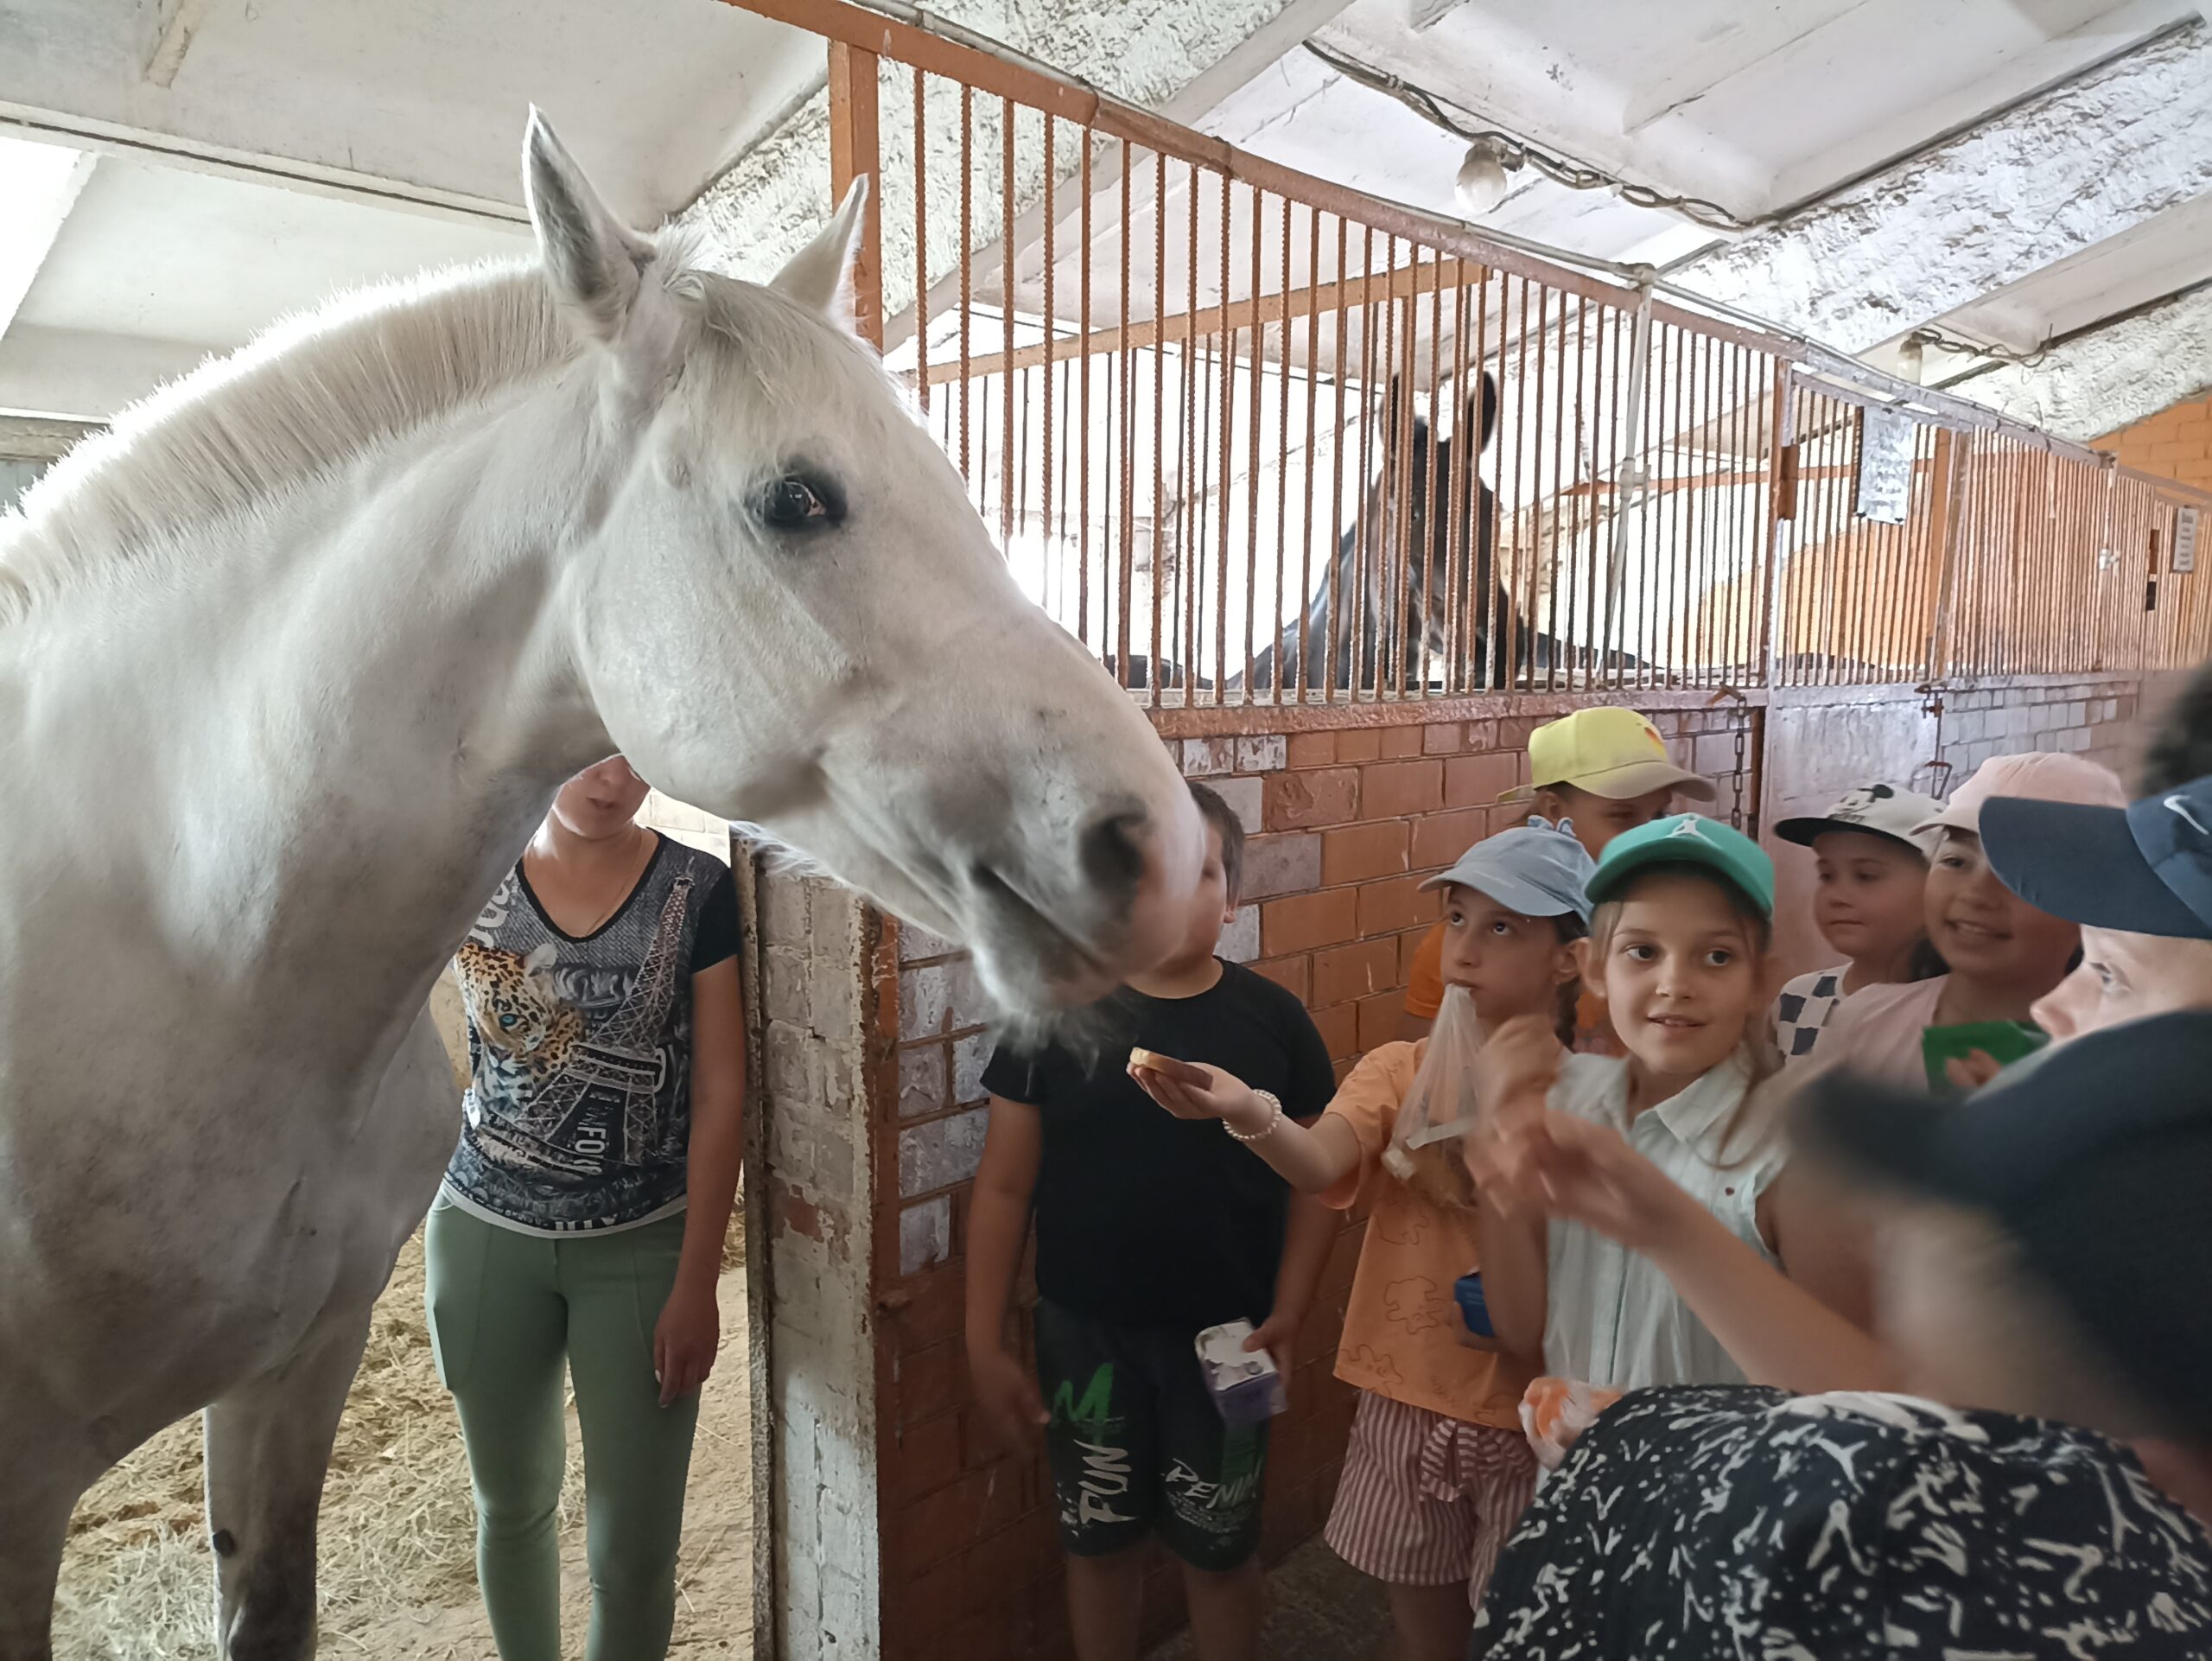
(1781, 507)
(1943, 479)
(854, 150)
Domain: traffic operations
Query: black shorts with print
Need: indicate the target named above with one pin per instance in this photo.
(1138, 1446)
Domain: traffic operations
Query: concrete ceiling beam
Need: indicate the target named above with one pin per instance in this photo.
(1947, 227)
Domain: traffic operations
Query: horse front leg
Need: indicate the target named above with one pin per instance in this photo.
(46, 1465)
(268, 1450)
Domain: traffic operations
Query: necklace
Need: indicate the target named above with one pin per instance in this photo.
(628, 887)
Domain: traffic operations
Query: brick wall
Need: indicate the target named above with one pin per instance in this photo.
(811, 1219)
(2176, 443)
(1345, 824)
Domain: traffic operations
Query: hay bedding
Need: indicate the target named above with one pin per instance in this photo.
(399, 1578)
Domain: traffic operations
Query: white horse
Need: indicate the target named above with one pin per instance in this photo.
(291, 663)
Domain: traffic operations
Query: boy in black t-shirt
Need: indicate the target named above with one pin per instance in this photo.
(1149, 1230)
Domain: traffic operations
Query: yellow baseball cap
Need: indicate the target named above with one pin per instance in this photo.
(1615, 754)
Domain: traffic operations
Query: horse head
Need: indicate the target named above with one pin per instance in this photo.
(788, 612)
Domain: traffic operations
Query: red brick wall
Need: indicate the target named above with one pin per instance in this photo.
(2176, 443)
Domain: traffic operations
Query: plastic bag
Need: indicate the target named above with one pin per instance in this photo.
(1441, 1104)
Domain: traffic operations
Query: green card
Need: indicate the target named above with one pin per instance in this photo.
(2007, 1041)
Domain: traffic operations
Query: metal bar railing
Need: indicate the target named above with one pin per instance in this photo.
(1567, 475)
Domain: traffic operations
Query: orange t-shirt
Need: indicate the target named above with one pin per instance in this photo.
(1401, 1326)
(1425, 996)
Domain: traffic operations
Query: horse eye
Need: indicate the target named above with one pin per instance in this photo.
(792, 502)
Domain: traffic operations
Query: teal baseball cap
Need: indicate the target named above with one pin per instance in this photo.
(1686, 839)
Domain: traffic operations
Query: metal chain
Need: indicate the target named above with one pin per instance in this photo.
(1743, 735)
(1514, 154)
(1933, 776)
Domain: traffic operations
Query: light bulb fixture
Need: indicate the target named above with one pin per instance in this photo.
(1482, 182)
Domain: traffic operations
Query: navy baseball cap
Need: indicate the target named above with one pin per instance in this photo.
(2096, 1163)
(2141, 870)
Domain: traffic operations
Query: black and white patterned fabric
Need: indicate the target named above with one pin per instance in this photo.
(1807, 1003)
(1735, 1522)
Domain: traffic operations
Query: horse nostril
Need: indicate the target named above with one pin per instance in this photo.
(1113, 856)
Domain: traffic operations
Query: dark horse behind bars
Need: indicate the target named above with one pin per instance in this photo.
(1449, 530)
(1359, 590)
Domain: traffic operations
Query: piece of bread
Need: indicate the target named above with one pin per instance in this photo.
(1166, 1066)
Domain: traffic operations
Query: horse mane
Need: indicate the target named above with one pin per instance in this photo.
(305, 396)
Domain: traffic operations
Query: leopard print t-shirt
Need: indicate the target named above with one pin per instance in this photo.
(577, 1116)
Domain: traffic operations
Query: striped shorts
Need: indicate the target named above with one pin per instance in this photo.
(1426, 1500)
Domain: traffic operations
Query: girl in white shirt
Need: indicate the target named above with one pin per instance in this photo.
(1679, 948)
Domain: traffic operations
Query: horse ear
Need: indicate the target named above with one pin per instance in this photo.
(1482, 412)
(820, 275)
(595, 263)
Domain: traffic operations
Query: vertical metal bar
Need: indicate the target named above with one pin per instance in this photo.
(1125, 376)
(1191, 566)
(1064, 389)
(1566, 489)
(1282, 474)
(1336, 497)
(1555, 494)
(1678, 573)
(1018, 460)
(1006, 311)
(1252, 461)
(1778, 441)
(1458, 539)
(1228, 436)
(1483, 521)
(1356, 598)
(1082, 399)
(1389, 496)
(1160, 426)
(1523, 498)
(856, 148)
(1735, 541)
(1436, 532)
(1052, 328)
(921, 246)
(1297, 609)
(1697, 395)
(966, 266)
(1390, 646)
(1627, 478)
(1649, 514)
(1712, 359)
(1593, 653)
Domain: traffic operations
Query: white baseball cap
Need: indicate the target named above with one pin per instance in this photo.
(1875, 809)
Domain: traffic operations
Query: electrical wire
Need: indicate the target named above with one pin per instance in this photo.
(1514, 153)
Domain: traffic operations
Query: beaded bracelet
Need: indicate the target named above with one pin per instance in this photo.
(1274, 1119)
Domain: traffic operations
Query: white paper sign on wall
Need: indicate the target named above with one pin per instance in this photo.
(2185, 539)
(1885, 454)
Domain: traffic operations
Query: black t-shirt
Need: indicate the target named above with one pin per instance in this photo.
(1151, 1220)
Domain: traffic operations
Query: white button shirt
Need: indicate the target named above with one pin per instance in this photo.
(1613, 1318)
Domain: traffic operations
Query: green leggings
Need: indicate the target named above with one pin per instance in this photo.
(506, 1310)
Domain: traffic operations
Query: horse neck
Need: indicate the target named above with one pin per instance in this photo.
(334, 725)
